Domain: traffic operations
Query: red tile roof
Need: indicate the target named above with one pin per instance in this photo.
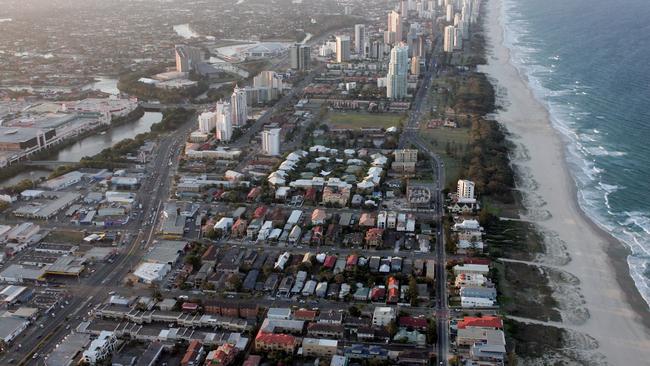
(482, 322)
(304, 314)
(330, 261)
(272, 338)
(252, 360)
(409, 321)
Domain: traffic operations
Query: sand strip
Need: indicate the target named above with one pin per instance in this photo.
(618, 317)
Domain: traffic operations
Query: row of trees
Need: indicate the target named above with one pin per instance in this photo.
(130, 84)
(488, 161)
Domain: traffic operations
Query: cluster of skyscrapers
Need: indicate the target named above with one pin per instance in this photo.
(227, 114)
(458, 27)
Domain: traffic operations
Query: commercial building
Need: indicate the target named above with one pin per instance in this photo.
(396, 80)
(15, 139)
(67, 351)
(271, 141)
(64, 181)
(342, 48)
(100, 348)
(151, 272)
(165, 252)
(11, 327)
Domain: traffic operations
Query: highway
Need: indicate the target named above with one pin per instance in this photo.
(92, 290)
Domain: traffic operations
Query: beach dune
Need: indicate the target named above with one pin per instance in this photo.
(618, 316)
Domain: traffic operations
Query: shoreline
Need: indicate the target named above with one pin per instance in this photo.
(618, 313)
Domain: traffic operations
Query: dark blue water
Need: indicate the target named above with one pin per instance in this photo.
(589, 62)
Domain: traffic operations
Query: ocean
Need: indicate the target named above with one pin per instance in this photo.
(588, 62)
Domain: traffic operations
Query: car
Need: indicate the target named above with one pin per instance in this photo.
(35, 356)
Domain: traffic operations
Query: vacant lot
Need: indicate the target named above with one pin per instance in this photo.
(354, 120)
(450, 144)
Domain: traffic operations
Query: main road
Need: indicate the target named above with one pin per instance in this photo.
(92, 290)
(411, 136)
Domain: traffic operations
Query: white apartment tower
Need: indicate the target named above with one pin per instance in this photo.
(448, 45)
(207, 122)
(465, 189)
(342, 48)
(450, 13)
(271, 142)
(224, 121)
(239, 106)
(458, 38)
(360, 40)
(396, 80)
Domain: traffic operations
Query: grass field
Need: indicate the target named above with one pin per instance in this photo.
(438, 139)
(354, 120)
(65, 236)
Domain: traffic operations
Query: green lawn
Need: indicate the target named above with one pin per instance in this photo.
(438, 138)
(358, 120)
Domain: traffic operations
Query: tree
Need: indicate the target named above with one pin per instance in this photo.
(234, 282)
(432, 332)
(392, 328)
(194, 260)
(354, 311)
(413, 290)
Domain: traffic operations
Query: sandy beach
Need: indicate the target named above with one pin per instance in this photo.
(606, 306)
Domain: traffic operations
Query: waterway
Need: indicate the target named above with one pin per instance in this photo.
(91, 145)
(104, 84)
(94, 144)
(34, 174)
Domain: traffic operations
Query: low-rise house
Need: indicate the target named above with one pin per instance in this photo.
(383, 315)
(275, 342)
(317, 347)
(374, 238)
(325, 330)
(331, 317)
(318, 217)
(471, 269)
(239, 228)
